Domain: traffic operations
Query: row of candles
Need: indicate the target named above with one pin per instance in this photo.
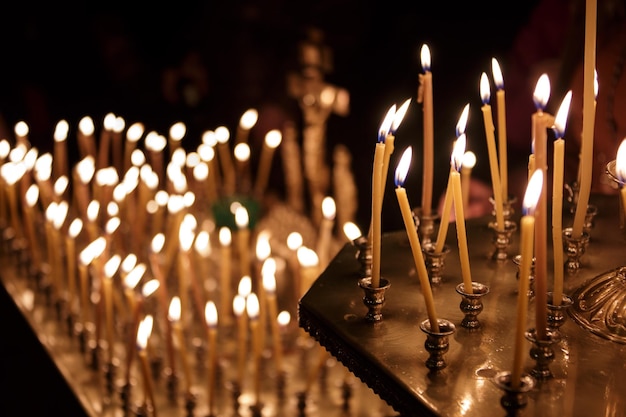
(534, 236)
(103, 235)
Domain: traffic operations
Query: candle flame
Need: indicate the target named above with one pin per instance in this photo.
(248, 119)
(60, 185)
(5, 148)
(542, 92)
(85, 169)
(284, 317)
(269, 267)
(222, 134)
(119, 124)
(561, 116)
(245, 286)
(93, 209)
(595, 83)
(252, 306)
(403, 166)
(307, 257)
(329, 208)
(273, 138)
(112, 265)
(135, 132)
(399, 116)
(32, 195)
(241, 217)
(456, 159)
(178, 131)
(239, 305)
(294, 240)
(201, 171)
(143, 331)
(263, 247)
(269, 280)
(209, 138)
(425, 57)
(461, 124)
(206, 152)
(383, 131)
(134, 276)
(76, 226)
(202, 244)
(150, 287)
(533, 192)
(469, 159)
(210, 314)
(21, 129)
(60, 131)
(242, 152)
(112, 225)
(225, 236)
(158, 241)
(352, 231)
(620, 162)
(485, 90)
(86, 126)
(173, 312)
(11, 172)
(497, 74)
(129, 262)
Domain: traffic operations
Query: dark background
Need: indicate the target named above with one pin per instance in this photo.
(62, 61)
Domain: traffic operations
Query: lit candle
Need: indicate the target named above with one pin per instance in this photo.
(143, 334)
(501, 112)
(133, 134)
(377, 197)
(269, 285)
(447, 203)
(246, 122)
(309, 268)
(294, 241)
(86, 140)
(21, 131)
(225, 238)
(76, 226)
(273, 138)
(30, 200)
(155, 144)
(411, 230)
(242, 152)
(116, 147)
(228, 168)
(557, 198)
(540, 123)
(586, 151)
(176, 134)
(239, 306)
(527, 226)
(491, 146)
(110, 269)
(210, 316)
(174, 317)
(60, 148)
(324, 238)
(469, 160)
(620, 169)
(104, 145)
(252, 308)
(398, 116)
(243, 239)
(425, 96)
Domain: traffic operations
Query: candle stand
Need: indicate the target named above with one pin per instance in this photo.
(513, 398)
(542, 352)
(574, 249)
(517, 260)
(435, 262)
(471, 304)
(557, 314)
(437, 343)
(374, 298)
(502, 239)
(425, 224)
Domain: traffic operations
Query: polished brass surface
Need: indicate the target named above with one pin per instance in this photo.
(390, 356)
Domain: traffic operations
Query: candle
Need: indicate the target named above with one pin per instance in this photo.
(491, 146)
(425, 96)
(173, 315)
(76, 226)
(104, 145)
(447, 203)
(269, 285)
(246, 122)
(273, 138)
(557, 198)
(527, 226)
(586, 151)
(455, 179)
(116, 147)
(225, 238)
(409, 224)
(620, 170)
(21, 131)
(324, 238)
(133, 134)
(377, 197)
(228, 168)
(60, 148)
(398, 116)
(86, 140)
(252, 308)
(30, 200)
(239, 305)
(309, 268)
(501, 112)
(469, 160)
(110, 269)
(243, 239)
(155, 144)
(143, 334)
(210, 316)
(540, 123)
(176, 134)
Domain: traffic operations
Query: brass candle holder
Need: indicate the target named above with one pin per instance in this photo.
(574, 249)
(425, 224)
(437, 343)
(508, 209)
(513, 398)
(374, 298)
(502, 239)
(435, 262)
(517, 260)
(542, 352)
(472, 304)
(557, 313)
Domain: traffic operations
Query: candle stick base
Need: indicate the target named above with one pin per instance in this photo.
(190, 404)
(513, 398)
(425, 224)
(435, 262)
(502, 239)
(472, 304)
(171, 385)
(508, 209)
(517, 260)
(437, 343)
(556, 313)
(542, 352)
(364, 255)
(374, 298)
(574, 249)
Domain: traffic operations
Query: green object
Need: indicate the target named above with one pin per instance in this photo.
(224, 213)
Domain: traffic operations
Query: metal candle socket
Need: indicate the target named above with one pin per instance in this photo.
(472, 304)
(513, 398)
(517, 260)
(374, 298)
(542, 352)
(556, 313)
(574, 248)
(437, 343)
(502, 239)
(425, 224)
(435, 262)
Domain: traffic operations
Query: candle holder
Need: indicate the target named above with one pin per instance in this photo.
(435, 262)
(574, 249)
(364, 255)
(513, 398)
(437, 343)
(374, 298)
(517, 260)
(507, 207)
(502, 239)
(556, 313)
(572, 191)
(425, 224)
(542, 352)
(472, 304)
